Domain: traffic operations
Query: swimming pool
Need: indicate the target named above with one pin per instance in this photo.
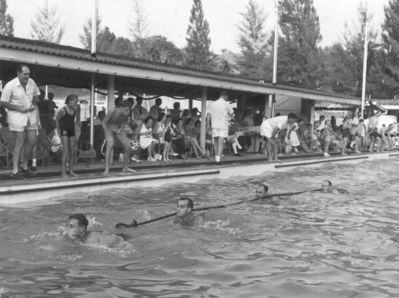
(308, 245)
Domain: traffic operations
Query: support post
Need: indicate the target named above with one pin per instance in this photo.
(203, 117)
(190, 104)
(365, 54)
(92, 90)
(268, 105)
(94, 14)
(111, 91)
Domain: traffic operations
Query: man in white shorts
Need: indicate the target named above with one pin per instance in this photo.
(269, 131)
(20, 97)
(220, 112)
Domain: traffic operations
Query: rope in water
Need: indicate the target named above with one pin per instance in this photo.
(267, 196)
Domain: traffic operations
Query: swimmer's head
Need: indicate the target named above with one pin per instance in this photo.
(184, 206)
(77, 225)
(326, 186)
(261, 190)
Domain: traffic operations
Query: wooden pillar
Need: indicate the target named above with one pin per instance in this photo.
(190, 104)
(92, 90)
(111, 91)
(203, 117)
(271, 105)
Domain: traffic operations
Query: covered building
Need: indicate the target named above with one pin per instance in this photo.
(76, 68)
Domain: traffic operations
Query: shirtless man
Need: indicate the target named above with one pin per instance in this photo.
(184, 214)
(77, 226)
(114, 127)
(327, 187)
(261, 193)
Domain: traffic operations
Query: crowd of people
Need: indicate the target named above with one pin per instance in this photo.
(131, 131)
(290, 135)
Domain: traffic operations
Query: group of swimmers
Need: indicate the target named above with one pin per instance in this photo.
(77, 224)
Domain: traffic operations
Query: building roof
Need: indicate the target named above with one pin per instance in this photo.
(44, 54)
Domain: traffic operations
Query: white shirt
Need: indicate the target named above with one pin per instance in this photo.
(269, 125)
(14, 93)
(220, 111)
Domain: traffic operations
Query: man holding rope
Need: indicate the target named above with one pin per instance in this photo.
(185, 215)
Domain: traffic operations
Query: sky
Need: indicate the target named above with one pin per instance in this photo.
(170, 18)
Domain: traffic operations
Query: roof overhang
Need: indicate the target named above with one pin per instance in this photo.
(51, 63)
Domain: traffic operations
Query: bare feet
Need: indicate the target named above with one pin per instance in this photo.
(73, 174)
(277, 160)
(105, 173)
(64, 175)
(128, 170)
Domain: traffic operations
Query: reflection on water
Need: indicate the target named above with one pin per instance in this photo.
(308, 245)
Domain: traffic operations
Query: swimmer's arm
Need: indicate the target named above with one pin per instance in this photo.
(199, 219)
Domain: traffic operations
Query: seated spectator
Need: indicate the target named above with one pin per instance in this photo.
(191, 138)
(195, 115)
(185, 115)
(291, 139)
(147, 141)
(197, 130)
(329, 136)
(168, 135)
(159, 132)
(311, 139)
(319, 125)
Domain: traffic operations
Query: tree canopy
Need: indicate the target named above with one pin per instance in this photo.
(46, 24)
(197, 51)
(6, 20)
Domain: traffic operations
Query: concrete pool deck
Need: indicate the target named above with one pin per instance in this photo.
(49, 185)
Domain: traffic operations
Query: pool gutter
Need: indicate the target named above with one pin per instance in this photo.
(59, 189)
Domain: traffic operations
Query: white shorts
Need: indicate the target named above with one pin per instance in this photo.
(266, 130)
(22, 128)
(220, 132)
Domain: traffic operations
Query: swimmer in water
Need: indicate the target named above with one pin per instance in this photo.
(261, 192)
(185, 215)
(77, 231)
(327, 187)
(77, 227)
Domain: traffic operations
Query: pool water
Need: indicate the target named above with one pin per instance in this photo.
(307, 245)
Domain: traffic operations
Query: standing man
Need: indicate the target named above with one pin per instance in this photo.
(220, 112)
(20, 97)
(139, 112)
(269, 131)
(156, 109)
(373, 126)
